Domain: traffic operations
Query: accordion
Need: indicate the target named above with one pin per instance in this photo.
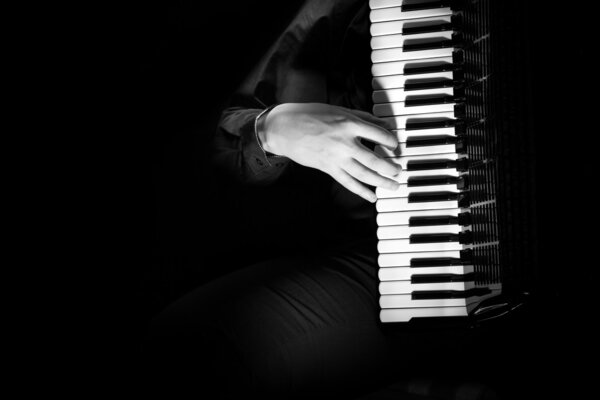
(457, 239)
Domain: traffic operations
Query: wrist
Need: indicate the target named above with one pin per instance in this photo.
(264, 131)
(263, 138)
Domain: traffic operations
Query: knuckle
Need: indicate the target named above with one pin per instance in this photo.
(391, 138)
(353, 149)
(379, 164)
(379, 180)
(391, 184)
(360, 174)
(386, 167)
(341, 178)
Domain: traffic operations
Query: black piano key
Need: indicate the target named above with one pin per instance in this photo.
(443, 27)
(434, 44)
(430, 5)
(463, 198)
(426, 68)
(466, 257)
(418, 27)
(427, 197)
(429, 69)
(465, 237)
(424, 101)
(431, 141)
(440, 278)
(421, 84)
(429, 164)
(421, 165)
(449, 294)
(435, 262)
(415, 181)
(433, 238)
(414, 125)
(429, 100)
(433, 220)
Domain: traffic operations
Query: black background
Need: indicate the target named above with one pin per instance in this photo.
(192, 57)
(182, 59)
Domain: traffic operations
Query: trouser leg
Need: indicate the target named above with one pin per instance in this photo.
(284, 326)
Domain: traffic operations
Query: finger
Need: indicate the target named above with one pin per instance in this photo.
(354, 186)
(381, 165)
(366, 116)
(378, 135)
(374, 133)
(370, 177)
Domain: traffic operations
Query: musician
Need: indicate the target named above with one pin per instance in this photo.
(307, 322)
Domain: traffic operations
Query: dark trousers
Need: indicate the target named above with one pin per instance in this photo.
(295, 326)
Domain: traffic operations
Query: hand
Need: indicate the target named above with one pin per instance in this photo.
(328, 138)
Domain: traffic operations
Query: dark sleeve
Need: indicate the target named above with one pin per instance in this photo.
(299, 67)
(236, 148)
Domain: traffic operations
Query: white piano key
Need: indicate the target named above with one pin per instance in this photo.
(403, 135)
(403, 217)
(406, 287)
(404, 190)
(399, 40)
(396, 13)
(397, 67)
(402, 150)
(375, 4)
(400, 108)
(399, 94)
(404, 245)
(398, 54)
(403, 259)
(404, 231)
(414, 151)
(402, 204)
(399, 122)
(406, 301)
(393, 27)
(405, 273)
(406, 314)
(398, 81)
